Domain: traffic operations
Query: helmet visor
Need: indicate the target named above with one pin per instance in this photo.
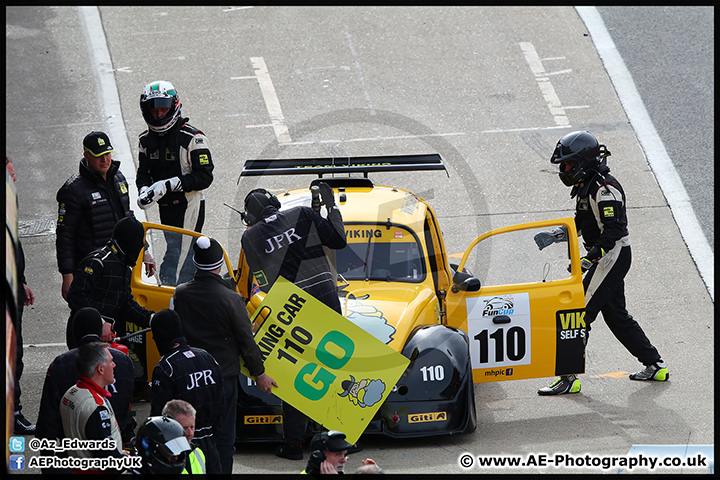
(158, 102)
(567, 166)
(176, 446)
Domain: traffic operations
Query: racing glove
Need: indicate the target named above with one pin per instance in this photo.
(157, 190)
(174, 184)
(152, 194)
(327, 195)
(544, 239)
(585, 264)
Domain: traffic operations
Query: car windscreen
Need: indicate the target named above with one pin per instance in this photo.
(379, 253)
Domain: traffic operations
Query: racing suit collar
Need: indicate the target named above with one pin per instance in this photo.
(165, 346)
(96, 390)
(581, 190)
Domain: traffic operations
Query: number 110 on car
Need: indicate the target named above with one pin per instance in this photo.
(499, 344)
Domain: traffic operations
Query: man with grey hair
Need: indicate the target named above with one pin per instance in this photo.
(85, 410)
(185, 413)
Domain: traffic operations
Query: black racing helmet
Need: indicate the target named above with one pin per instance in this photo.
(578, 154)
(158, 440)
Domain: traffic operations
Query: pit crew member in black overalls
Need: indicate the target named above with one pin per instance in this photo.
(290, 243)
(601, 220)
(174, 167)
(190, 374)
(102, 281)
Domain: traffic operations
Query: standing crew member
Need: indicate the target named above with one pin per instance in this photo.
(214, 318)
(174, 167)
(102, 281)
(601, 220)
(184, 413)
(188, 374)
(89, 205)
(26, 297)
(289, 243)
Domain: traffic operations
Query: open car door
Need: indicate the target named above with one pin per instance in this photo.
(172, 251)
(527, 320)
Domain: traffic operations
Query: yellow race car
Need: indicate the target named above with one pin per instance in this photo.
(523, 317)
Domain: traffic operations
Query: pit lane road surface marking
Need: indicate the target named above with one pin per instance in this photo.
(652, 145)
(548, 91)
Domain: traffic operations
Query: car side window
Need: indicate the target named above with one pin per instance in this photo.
(514, 258)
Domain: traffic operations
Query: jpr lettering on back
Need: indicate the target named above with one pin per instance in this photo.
(277, 240)
(196, 377)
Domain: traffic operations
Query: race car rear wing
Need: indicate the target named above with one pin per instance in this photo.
(343, 165)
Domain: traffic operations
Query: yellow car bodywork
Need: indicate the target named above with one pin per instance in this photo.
(521, 317)
(394, 215)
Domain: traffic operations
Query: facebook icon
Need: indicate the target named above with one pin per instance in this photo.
(17, 462)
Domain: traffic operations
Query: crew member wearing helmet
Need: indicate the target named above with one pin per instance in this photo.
(601, 220)
(289, 243)
(174, 167)
(162, 445)
(330, 451)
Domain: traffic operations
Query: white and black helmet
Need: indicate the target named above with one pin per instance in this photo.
(160, 94)
(161, 443)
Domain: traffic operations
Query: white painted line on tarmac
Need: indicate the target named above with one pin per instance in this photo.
(358, 67)
(109, 99)
(651, 143)
(271, 100)
(45, 345)
(372, 139)
(548, 91)
(234, 9)
(522, 129)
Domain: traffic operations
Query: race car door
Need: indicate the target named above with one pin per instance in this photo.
(527, 320)
(170, 250)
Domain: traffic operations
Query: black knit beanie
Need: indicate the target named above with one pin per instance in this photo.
(208, 254)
